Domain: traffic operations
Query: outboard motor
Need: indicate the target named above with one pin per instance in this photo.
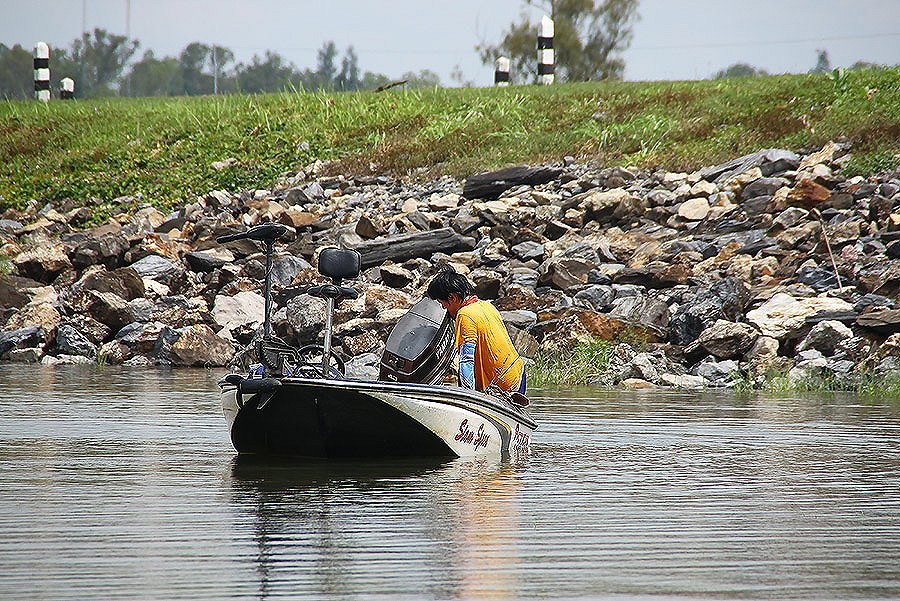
(420, 346)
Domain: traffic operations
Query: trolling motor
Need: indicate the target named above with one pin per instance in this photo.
(267, 233)
(274, 353)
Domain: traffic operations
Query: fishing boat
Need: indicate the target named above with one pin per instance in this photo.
(298, 402)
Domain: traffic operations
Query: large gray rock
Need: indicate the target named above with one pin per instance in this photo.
(244, 309)
(825, 336)
(769, 161)
(727, 339)
(156, 267)
(724, 299)
(69, 341)
(783, 316)
(30, 336)
(198, 345)
(42, 263)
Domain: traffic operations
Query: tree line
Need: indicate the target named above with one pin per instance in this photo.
(101, 64)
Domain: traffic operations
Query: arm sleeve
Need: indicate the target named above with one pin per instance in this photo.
(467, 365)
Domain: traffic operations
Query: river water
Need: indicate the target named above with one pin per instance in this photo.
(121, 484)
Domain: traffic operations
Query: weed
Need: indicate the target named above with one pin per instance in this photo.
(164, 147)
(580, 365)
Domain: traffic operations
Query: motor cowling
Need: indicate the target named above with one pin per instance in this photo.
(420, 346)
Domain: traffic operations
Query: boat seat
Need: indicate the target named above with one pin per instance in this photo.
(333, 291)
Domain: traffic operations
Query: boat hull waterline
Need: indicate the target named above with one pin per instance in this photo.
(351, 418)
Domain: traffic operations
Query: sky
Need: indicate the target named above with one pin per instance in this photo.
(673, 39)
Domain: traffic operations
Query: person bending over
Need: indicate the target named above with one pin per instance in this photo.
(486, 353)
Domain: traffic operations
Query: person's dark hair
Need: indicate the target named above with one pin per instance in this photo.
(448, 282)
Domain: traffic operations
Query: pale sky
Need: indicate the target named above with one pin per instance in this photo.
(674, 39)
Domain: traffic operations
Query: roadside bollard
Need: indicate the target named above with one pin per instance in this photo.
(67, 88)
(42, 72)
(501, 72)
(546, 58)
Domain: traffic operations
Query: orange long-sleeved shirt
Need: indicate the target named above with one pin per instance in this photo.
(496, 360)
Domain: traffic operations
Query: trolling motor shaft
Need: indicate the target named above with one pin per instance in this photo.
(267, 233)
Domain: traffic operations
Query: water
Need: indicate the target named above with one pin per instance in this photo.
(122, 484)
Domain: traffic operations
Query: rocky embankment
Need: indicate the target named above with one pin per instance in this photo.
(770, 262)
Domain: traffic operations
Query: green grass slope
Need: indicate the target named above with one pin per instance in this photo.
(163, 148)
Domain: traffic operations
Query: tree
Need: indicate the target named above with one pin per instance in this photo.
(740, 70)
(271, 74)
(325, 66)
(16, 72)
(348, 78)
(192, 63)
(423, 79)
(588, 37)
(823, 64)
(155, 77)
(371, 81)
(102, 57)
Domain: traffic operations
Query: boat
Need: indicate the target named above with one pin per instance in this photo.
(298, 402)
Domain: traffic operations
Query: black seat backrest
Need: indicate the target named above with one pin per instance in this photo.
(339, 263)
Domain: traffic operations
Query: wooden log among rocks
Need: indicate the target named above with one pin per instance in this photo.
(410, 246)
(492, 184)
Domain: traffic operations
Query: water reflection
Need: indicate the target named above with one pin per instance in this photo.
(332, 527)
(122, 483)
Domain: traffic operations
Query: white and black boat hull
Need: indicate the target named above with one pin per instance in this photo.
(349, 418)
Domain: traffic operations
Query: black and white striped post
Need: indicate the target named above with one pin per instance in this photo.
(546, 59)
(67, 88)
(501, 72)
(42, 72)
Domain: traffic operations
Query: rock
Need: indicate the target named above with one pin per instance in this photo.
(198, 345)
(718, 373)
(244, 309)
(16, 292)
(296, 218)
(109, 309)
(175, 310)
(94, 331)
(363, 367)
(783, 316)
(519, 318)
(156, 267)
(285, 269)
(764, 186)
(35, 313)
(369, 227)
(565, 273)
(396, 276)
(69, 341)
(30, 336)
(42, 263)
(695, 209)
(684, 381)
(769, 161)
(725, 299)
(208, 260)
(487, 283)
(528, 251)
(727, 339)
(25, 355)
(100, 247)
(124, 282)
(604, 205)
(884, 321)
(825, 336)
(646, 312)
(808, 194)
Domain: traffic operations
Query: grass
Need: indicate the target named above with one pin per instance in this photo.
(163, 148)
(579, 366)
(586, 364)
